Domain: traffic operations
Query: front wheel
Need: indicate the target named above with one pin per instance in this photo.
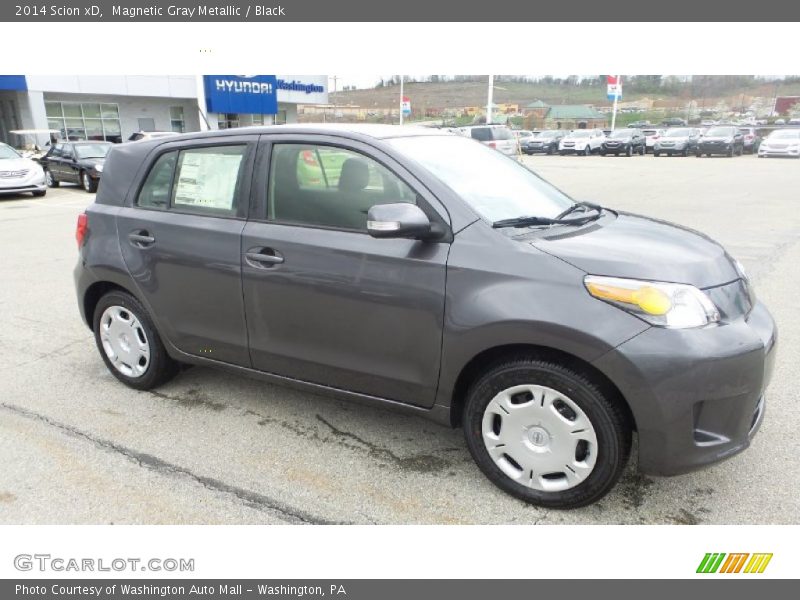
(129, 343)
(587, 151)
(629, 151)
(656, 154)
(39, 194)
(50, 180)
(546, 433)
(88, 184)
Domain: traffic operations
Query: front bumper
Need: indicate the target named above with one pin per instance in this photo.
(697, 395)
(715, 148)
(572, 150)
(539, 149)
(792, 152)
(22, 185)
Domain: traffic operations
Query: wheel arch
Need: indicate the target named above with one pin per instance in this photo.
(97, 290)
(479, 363)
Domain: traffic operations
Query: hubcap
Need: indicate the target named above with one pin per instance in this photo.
(124, 341)
(539, 438)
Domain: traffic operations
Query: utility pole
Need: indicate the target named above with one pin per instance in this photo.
(401, 98)
(616, 98)
(335, 79)
(489, 101)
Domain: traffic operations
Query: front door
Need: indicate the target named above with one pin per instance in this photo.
(181, 241)
(327, 303)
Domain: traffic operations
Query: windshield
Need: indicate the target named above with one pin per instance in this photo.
(579, 133)
(495, 186)
(621, 134)
(547, 134)
(7, 152)
(785, 134)
(92, 150)
(678, 133)
(720, 132)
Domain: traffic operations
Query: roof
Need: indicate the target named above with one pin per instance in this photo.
(537, 104)
(574, 111)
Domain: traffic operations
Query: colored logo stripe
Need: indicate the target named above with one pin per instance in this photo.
(734, 562)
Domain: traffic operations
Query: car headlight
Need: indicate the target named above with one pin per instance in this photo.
(671, 305)
(98, 168)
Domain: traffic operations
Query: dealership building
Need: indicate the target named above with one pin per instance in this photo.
(112, 108)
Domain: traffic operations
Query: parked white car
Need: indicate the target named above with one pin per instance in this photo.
(498, 137)
(781, 142)
(20, 175)
(651, 136)
(582, 141)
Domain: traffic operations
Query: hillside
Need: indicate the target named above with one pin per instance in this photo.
(451, 94)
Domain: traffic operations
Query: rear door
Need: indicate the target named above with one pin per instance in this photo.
(180, 234)
(325, 302)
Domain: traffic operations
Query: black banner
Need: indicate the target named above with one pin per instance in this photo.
(378, 589)
(403, 11)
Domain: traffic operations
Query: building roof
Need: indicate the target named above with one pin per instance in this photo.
(537, 104)
(573, 111)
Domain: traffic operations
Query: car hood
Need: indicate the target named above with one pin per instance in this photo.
(677, 140)
(91, 162)
(716, 138)
(638, 247)
(17, 164)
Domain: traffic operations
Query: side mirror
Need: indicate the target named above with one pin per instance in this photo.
(400, 220)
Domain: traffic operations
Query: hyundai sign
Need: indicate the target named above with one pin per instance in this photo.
(256, 95)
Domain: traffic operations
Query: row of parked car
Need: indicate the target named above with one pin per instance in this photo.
(65, 161)
(726, 140)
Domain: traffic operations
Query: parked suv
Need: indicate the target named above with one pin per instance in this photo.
(582, 141)
(726, 140)
(419, 271)
(681, 140)
(546, 142)
(651, 137)
(498, 137)
(624, 141)
(751, 139)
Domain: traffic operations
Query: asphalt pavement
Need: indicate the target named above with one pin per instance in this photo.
(76, 446)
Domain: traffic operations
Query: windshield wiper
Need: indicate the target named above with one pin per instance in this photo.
(558, 220)
(578, 205)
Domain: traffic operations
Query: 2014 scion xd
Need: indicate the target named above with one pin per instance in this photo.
(421, 271)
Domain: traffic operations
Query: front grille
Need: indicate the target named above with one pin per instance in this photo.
(13, 174)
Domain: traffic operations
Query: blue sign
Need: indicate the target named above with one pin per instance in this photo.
(256, 95)
(13, 82)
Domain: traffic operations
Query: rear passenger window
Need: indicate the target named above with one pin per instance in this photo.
(207, 179)
(198, 180)
(329, 186)
(155, 192)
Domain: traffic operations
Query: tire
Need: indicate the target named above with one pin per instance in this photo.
(642, 151)
(562, 153)
(39, 194)
(603, 153)
(685, 152)
(87, 183)
(587, 151)
(550, 151)
(159, 367)
(656, 154)
(599, 418)
(731, 152)
(629, 151)
(50, 180)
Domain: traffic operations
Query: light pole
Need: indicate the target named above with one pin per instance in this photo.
(489, 101)
(401, 98)
(616, 98)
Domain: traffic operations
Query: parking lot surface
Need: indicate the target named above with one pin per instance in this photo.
(209, 447)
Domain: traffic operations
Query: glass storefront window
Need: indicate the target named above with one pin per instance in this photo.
(53, 109)
(176, 119)
(72, 110)
(82, 121)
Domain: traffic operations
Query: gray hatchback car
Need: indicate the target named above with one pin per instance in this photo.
(416, 270)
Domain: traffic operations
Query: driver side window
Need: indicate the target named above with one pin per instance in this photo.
(329, 186)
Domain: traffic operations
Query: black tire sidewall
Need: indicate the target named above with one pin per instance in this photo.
(613, 435)
(161, 367)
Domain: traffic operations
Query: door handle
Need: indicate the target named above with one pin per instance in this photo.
(263, 258)
(141, 239)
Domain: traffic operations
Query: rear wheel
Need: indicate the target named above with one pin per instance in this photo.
(546, 433)
(129, 343)
(39, 194)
